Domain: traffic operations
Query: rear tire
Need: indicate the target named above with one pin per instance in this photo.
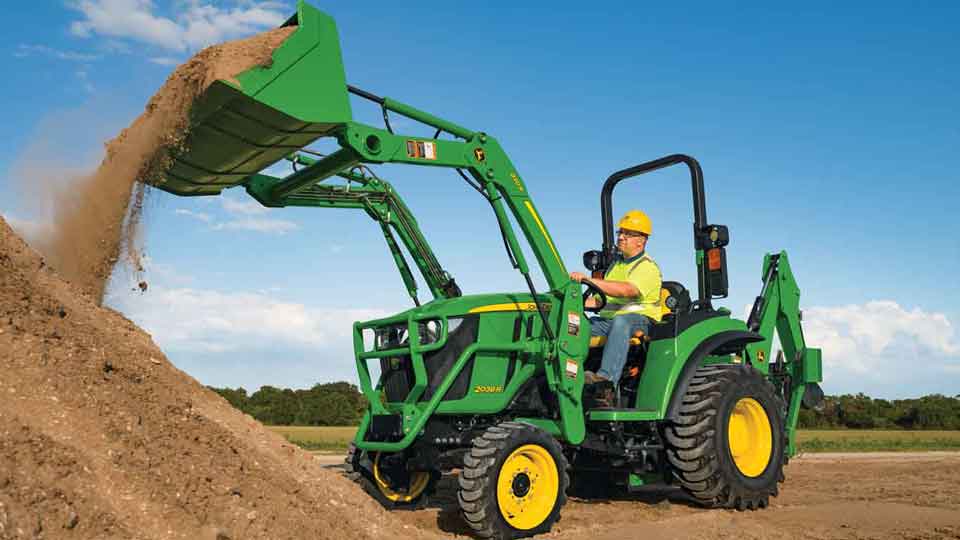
(727, 445)
(513, 483)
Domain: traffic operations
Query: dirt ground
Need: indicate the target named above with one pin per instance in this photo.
(826, 496)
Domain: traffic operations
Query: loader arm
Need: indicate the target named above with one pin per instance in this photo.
(384, 205)
(778, 309)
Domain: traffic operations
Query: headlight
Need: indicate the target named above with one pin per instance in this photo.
(429, 331)
(396, 336)
(390, 337)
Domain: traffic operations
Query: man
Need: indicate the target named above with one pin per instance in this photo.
(632, 285)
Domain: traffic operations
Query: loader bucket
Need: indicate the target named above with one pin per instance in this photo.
(237, 130)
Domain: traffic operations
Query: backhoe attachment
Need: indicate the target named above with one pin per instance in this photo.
(798, 368)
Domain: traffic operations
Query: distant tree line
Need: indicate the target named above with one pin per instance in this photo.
(863, 412)
(328, 404)
(342, 404)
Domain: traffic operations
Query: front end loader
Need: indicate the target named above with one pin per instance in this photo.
(492, 385)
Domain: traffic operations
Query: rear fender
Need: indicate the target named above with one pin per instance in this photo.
(725, 341)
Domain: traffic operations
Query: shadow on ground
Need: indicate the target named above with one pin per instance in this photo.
(443, 500)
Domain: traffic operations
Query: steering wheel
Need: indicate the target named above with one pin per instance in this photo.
(593, 289)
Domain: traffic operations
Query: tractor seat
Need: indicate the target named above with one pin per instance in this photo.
(674, 298)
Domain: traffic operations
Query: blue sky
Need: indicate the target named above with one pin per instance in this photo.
(829, 130)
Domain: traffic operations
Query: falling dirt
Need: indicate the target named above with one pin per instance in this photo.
(102, 438)
(97, 218)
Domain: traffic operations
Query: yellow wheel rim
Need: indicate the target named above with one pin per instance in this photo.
(527, 487)
(418, 483)
(750, 437)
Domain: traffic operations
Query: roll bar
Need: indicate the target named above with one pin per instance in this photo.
(699, 208)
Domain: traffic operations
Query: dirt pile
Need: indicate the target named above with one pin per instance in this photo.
(97, 218)
(101, 437)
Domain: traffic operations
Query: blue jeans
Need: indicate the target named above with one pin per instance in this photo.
(618, 331)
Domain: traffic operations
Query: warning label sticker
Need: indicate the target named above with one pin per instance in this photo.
(422, 149)
(573, 323)
(572, 368)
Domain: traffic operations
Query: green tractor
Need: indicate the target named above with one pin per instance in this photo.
(493, 384)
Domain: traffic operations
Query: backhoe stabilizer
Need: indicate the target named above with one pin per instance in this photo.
(797, 369)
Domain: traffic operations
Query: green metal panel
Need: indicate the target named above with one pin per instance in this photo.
(549, 426)
(487, 392)
(665, 361)
(812, 365)
(237, 130)
(624, 415)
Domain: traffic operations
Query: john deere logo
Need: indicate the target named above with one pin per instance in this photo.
(482, 389)
(479, 154)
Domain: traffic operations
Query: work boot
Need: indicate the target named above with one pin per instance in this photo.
(590, 377)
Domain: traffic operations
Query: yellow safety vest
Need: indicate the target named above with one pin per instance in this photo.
(644, 274)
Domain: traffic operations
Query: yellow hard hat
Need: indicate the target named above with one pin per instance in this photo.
(635, 220)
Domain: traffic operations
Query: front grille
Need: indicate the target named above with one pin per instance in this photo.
(396, 372)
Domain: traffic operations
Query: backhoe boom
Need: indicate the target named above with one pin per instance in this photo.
(778, 309)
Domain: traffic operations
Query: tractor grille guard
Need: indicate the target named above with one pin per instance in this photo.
(417, 407)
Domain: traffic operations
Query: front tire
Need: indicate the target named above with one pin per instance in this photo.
(385, 478)
(727, 446)
(513, 483)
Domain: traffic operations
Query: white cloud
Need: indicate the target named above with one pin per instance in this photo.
(206, 218)
(248, 207)
(251, 217)
(264, 225)
(193, 25)
(882, 347)
(873, 327)
(245, 215)
(85, 81)
(195, 320)
(115, 46)
(26, 50)
(164, 61)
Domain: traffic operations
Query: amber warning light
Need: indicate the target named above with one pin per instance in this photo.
(713, 259)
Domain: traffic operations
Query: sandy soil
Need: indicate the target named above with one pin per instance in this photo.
(102, 438)
(826, 496)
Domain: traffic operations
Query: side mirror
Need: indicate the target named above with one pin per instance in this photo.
(713, 240)
(713, 236)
